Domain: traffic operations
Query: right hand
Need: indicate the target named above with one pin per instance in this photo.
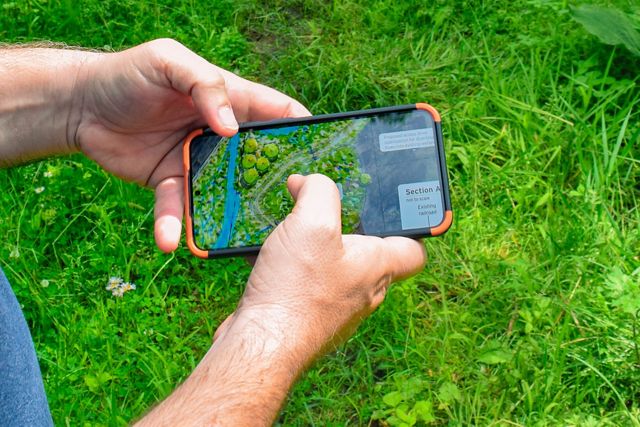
(311, 286)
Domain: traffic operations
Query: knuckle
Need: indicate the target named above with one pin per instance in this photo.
(215, 81)
(164, 46)
(381, 263)
(321, 230)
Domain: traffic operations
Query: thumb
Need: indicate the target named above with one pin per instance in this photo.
(317, 201)
(294, 184)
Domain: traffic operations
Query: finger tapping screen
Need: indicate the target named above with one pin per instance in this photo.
(385, 167)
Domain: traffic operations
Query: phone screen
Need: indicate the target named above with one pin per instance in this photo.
(386, 167)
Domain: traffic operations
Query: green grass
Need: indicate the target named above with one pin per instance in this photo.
(526, 312)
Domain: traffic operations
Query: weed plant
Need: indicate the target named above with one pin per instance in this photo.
(527, 313)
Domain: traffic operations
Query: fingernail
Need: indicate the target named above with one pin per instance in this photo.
(225, 114)
(300, 111)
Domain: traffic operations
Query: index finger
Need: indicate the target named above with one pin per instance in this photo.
(192, 75)
(254, 101)
(405, 257)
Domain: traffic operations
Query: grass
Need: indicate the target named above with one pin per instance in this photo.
(526, 313)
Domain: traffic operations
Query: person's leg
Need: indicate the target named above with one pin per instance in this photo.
(22, 398)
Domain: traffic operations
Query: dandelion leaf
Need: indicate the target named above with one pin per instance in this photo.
(610, 25)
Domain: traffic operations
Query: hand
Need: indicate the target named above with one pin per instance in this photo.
(133, 108)
(310, 288)
(313, 285)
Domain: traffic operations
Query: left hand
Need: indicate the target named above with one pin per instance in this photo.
(133, 108)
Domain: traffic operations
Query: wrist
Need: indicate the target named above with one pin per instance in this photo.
(310, 323)
(243, 379)
(289, 336)
(40, 108)
(271, 335)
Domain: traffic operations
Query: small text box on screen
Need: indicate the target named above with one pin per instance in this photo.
(406, 139)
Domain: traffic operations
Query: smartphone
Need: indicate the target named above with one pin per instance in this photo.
(388, 164)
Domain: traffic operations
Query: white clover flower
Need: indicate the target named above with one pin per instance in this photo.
(48, 174)
(126, 286)
(118, 287)
(44, 283)
(39, 190)
(114, 283)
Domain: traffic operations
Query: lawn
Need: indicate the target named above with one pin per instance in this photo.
(526, 312)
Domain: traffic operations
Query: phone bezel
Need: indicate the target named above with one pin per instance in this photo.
(257, 125)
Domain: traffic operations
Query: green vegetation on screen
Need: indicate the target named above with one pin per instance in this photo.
(268, 159)
(264, 161)
(527, 311)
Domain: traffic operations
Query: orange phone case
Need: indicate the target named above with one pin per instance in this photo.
(186, 162)
(433, 231)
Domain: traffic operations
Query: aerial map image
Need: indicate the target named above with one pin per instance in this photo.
(239, 183)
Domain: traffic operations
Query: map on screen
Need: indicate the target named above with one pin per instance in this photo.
(385, 167)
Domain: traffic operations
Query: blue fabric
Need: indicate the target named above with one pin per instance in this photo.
(23, 401)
